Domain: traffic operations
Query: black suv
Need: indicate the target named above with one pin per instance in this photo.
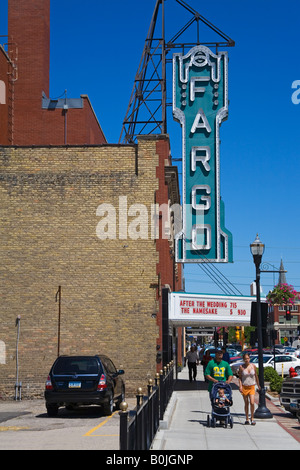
(84, 380)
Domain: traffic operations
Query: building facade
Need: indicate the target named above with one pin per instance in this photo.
(87, 227)
(81, 219)
(27, 114)
(288, 330)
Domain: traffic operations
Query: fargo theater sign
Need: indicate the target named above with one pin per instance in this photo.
(200, 104)
(209, 310)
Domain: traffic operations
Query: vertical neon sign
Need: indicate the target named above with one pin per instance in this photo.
(200, 104)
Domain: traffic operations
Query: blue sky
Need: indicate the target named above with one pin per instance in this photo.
(96, 48)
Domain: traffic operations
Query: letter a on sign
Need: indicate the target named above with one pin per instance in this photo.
(200, 104)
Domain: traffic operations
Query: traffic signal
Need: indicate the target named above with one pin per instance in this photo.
(237, 333)
(288, 315)
(264, 314)
(243, 335)
(225, 337)
(274, 335)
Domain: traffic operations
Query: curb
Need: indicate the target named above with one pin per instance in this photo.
(158, 441)
(164, 423)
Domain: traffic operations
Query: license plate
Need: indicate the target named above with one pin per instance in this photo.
(294, 405)
(74, 384)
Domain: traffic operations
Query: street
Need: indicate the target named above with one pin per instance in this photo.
(24, 425)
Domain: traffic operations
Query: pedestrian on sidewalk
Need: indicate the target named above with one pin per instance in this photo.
(218, 370)
(248, 378)
(205, 360)
(226, 356)
(192, 360)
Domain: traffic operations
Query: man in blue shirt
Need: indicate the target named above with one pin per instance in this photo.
(226, 356)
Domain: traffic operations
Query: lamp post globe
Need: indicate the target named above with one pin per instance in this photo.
(257, 248)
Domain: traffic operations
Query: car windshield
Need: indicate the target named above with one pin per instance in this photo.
(76, 365)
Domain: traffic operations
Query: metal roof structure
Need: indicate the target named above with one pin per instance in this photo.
(147, 109)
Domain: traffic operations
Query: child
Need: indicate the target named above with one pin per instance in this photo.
(221, 399)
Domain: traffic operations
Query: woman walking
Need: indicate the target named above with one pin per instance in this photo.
(248, 378)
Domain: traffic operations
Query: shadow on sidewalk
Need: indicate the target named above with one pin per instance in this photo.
(184, 385)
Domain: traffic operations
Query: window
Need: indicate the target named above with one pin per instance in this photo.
(293, 321)
(2, 353)
(287, 359)
(293, 308)
(109, 365)
(2, 92)
(76, 365)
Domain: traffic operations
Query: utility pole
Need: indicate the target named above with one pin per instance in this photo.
(58, 299)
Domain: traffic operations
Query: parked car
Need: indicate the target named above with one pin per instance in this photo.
(290, 395)
(232, 352)
(236, 365)
(212, 350)
(239, 356)
(254, 352)
(289, 350)
(286, 362)
(235, 346)
(84, 380)
(268, 360)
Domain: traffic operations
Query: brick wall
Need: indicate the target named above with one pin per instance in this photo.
(4, 97)
(49, 198)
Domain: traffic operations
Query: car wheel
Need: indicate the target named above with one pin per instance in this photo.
(121, 398)
(108, 407)
(297, 369)
(52, 410)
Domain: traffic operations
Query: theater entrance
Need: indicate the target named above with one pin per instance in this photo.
(181, 309)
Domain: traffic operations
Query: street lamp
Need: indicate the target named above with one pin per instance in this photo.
(262, 412)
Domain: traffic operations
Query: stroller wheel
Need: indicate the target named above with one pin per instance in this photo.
(231, 422)
(208, 421)
(213, 422)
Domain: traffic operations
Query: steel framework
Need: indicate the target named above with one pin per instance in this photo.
(146, 113)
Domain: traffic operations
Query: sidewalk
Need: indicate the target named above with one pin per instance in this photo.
(185, 423)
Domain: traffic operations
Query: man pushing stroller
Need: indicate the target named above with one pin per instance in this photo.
(218, 370)
(219, 375)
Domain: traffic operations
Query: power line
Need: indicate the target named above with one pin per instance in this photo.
(219, 278)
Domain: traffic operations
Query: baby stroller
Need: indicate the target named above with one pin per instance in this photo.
(222, 413)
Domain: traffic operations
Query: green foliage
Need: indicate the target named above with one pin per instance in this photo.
(276, 383)
(247, 331)
(270, 375)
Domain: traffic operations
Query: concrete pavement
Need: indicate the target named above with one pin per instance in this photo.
(185, 423)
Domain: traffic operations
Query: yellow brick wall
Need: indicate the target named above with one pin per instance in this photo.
(49, 198)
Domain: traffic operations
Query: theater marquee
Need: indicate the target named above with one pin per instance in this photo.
(209, 310)
(200, 104)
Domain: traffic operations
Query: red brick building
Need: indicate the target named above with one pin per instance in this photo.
(288, 330)
(27, 115)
